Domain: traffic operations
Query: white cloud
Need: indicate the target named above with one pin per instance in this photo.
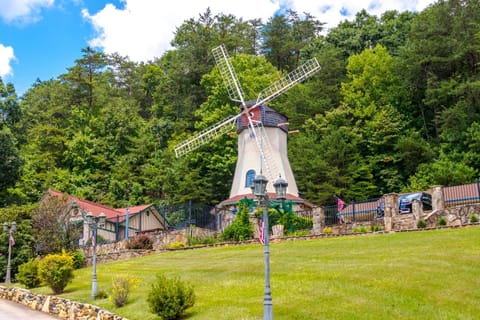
(24, 11)
(6, 57)
(143, 29)
(331, 12)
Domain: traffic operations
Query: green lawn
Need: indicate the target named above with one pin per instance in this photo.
(411, 275)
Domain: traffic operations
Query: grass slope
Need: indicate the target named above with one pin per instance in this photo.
(414, 275)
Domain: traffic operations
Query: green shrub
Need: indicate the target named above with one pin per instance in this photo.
(327, 230)
(241, 229)
(296, 222)
(299, 233)
(169, 298)
(376, 228)
(209, 240)
(78, 259)
(101, 294)
(56, 271)
(122, 285)
(474, 218)
(421, 224)
(361, 229)
(442, 221)
(195, 241)
(28, 274)
(141, 242)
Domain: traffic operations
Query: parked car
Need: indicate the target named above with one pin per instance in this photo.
(405, 203)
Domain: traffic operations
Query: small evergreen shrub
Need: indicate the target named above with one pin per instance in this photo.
(101, 294)
(474, 218)
(122, 285)
(56, 271)
(361, 229)
(376, 228)
(78, 259)
(209, 240)
(196, 241)
(141, 242)
(327, 230)
(299, 233)
(442, 221)
(421, 224)
(169, 298)
(28, 274)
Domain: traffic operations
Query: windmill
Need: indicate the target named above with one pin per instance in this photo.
(257, 125)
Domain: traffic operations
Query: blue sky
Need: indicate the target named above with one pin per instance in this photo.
(40, 39)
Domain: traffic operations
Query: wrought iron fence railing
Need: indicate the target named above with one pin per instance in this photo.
(462, 194)
(355, 211)
(188, 214)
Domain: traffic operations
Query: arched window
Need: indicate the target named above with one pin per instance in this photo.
(249, 178)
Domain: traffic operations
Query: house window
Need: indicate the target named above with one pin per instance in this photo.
(249, 178)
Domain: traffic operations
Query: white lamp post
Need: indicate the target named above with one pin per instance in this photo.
(94, 222)
(11, 242)
(260, 192)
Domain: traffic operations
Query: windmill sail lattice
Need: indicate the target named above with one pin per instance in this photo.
(234, 89)
(235, 92)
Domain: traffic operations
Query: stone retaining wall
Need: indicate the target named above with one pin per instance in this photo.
(161, 242)
(56, 306)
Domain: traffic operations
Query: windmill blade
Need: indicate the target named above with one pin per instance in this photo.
(234, 89)
(303, 72)
(205, 136)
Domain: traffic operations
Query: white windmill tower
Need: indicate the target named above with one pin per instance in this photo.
(262, 132)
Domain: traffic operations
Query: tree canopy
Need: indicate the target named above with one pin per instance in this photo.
(395, 107)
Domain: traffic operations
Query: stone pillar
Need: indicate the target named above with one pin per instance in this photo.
(256, 226)
(438, 199)
(318, 220)
(391, 210)
(417, 211)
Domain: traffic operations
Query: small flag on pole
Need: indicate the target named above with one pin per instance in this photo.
(12, 241)
(340, 207)
(261, 238)
(340, 204)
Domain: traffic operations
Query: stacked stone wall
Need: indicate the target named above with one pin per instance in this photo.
(56, 306)
(161, 241)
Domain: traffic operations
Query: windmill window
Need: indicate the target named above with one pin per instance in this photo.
(249, 178)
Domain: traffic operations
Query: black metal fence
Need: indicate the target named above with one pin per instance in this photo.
(355, 211)
(462, 194)
(187, 214)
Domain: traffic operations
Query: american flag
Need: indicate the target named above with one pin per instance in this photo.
(261, 238)
(340, 206)
(12, 241)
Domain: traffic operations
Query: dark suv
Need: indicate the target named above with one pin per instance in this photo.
(405, 203)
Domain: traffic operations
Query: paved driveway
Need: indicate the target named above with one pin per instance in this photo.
(14, 311)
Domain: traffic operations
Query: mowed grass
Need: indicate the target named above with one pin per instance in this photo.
(412, 275)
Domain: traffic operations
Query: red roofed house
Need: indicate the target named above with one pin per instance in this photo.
(140, 219)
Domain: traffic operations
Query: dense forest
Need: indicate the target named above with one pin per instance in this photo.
(395, 107)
